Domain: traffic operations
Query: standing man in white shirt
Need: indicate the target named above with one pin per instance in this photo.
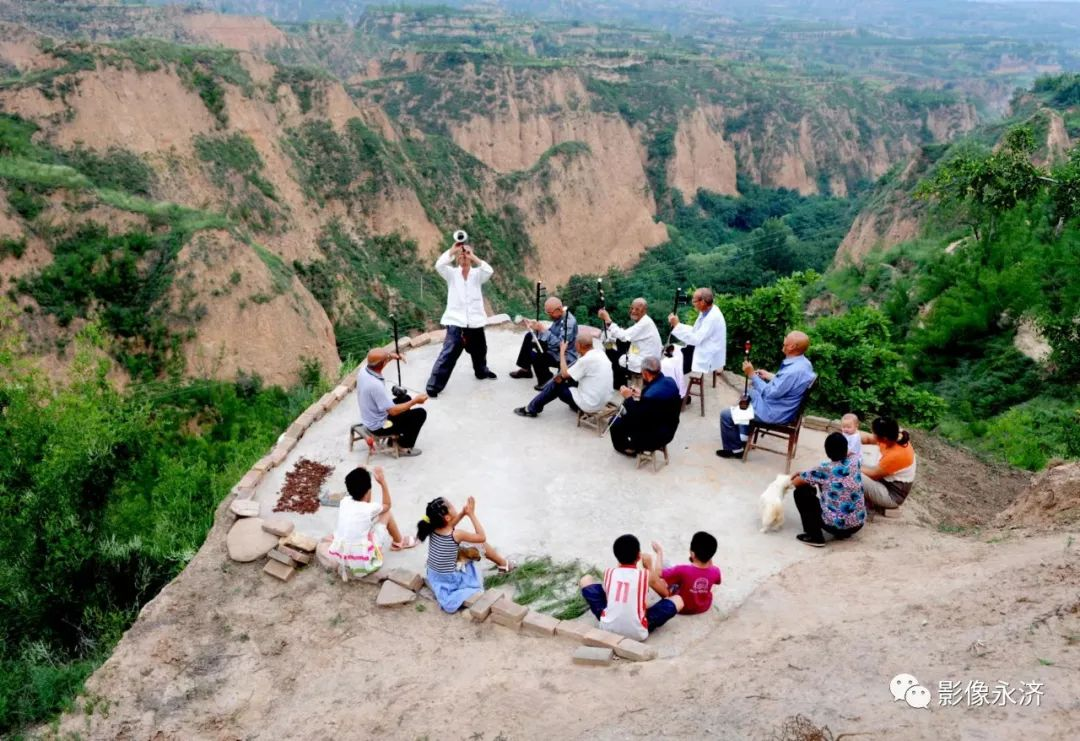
(706, 341)
(643, 336)
(464, 317)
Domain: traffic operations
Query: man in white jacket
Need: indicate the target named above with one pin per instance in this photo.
(464, 317)
(706, 341)
(642, 337)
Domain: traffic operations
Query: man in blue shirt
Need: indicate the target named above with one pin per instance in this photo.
(377, 406)
(540, 348)
(775, 396)
(650, 417)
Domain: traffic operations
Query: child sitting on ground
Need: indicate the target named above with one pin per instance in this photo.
(364, 530)
(692, 581)
(450, 585)
(619, 603)
(849, 426)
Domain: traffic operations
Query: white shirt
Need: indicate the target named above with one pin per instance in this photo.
(672, 368)
(625, 614)
(644, 339)
(592, 371)
(464, 298)
(709, 338)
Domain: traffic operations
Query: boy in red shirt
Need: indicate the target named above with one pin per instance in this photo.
(692, 581)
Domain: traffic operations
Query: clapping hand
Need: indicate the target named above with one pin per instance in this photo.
(378, 475)
(470, 507)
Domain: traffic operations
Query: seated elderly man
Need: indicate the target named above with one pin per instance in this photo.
(540, 348)
(775, 396)
(585, 386)
(650, 416)
(642, 336)
(377, 407)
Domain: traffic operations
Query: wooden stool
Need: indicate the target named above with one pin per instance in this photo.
(597, 420)
(696, 379)
(375, 443)
(649, 456)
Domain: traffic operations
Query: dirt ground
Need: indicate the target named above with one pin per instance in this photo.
(225, 652)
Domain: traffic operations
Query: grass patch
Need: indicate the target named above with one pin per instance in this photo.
(547, 586)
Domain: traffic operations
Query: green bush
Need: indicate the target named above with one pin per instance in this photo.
(116, 168)
(859, 371)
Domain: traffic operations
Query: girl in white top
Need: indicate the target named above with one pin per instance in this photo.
(364, 529)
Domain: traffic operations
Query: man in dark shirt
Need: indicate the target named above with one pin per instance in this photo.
(650, 417)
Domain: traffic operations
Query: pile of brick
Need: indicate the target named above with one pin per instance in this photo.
(293, 551)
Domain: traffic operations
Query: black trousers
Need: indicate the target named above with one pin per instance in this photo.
(687, 359)
(458, 339)
(406, 426)
(806, 500)
(619, 374)
(539, 363)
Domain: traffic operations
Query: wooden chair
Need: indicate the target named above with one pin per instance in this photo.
(375, 443)
(698, 380)
(787, 431)
(650, 456)
(597, 420)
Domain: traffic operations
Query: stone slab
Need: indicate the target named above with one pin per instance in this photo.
(300, 542)
(408, 579)
(328, 401)
(472, 599)
(573, 629)
(250, 480)
(538, 623)
(393, 595)
(264, 464)
(296, 430)
(244, 508)
(340, 391)
(482, 607)
(506, 620)
(299, 556)
(507, 608)
(247, 541)
(602, 639)
(281, 556)
(322, 556)
(279, 526)
(375, 577)
(349, 381)
(279, 570)
(591, 656)
(635, 650)
(438, 336)
(421, 339)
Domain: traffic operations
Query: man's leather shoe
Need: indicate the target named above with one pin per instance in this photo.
(521, 373)
(724, 453)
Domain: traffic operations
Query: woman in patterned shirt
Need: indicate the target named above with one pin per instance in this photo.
(830, 497)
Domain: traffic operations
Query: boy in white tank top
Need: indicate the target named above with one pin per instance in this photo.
(619, 603)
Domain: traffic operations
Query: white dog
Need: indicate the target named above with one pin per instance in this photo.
(772, 503)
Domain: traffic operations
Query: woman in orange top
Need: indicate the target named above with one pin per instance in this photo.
(888, 483)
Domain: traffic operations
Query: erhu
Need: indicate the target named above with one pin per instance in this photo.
(744, 401)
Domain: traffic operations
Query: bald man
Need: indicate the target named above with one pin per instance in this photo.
(541, 360)
(643, 339)
(775, 396)
(377, 408)
(584, 386)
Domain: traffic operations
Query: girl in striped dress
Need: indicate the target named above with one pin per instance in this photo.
(452, 584)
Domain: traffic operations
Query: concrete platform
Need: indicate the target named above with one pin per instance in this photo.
(544, 486)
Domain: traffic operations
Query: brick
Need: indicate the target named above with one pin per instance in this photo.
(250, 480)
(403, 342)
(482, 607)
(375, 577)
(299, 556)
(311, 415)
(349, 381)
(635, 650)
(263, 465)
(538, 623)
(327, 401)
(278, 570)
(590, 656)
(408, 579)
(300, 542)
(340, 392)
(602, 639)
(509, 609)
(244, 508)
(816, 423)
(392, 595)
(471, 600)
(322, 556)
(295, 431)
(281, 556)
(573, 629)
(506, 621)
(421, 339)
(438, 335)
(279, 526)
(278, 455)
